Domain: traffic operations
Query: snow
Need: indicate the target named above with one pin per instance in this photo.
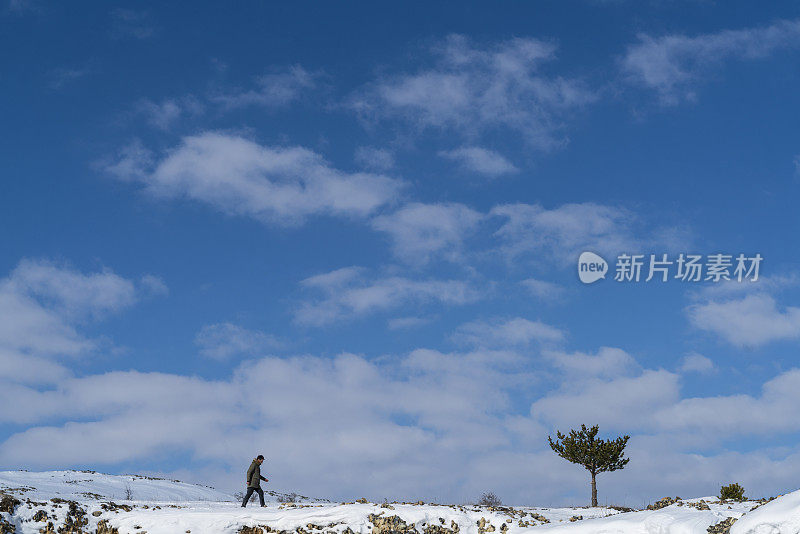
(80, 485)
(206, 517)
(781, 516)
(677, 518)
(162, 506)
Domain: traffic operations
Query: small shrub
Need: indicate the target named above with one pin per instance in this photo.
(287, 498)
(490, 499)
(733, 492)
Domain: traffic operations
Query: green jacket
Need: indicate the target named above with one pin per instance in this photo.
(254, 477)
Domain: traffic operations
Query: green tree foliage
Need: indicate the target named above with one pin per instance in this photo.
(733, 492)
(595, 455)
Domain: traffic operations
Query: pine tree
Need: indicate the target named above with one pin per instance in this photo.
(596, 455)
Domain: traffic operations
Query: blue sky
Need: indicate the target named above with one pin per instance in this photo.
(346, 236)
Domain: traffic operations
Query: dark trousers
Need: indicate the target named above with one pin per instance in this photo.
(250, 494)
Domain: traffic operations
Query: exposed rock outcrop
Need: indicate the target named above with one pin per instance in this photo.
(663, 503)
(723, 527)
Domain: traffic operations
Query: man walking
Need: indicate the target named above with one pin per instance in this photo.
(254, 479)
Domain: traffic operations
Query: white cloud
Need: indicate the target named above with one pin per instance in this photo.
(274, 90)
(727, 289)
(421, 231)
(611, 389)
(480, 160)
(472, 90)
(71, 293)
(608, 362)
(222, 341)
(350, 292)
(131, 23)
(133, 162)
(281, 185)
(153, 286)
(31, 328)
(346, 414)
(499, 332)
(400, 426)
(163, 115)
(762, 472)
(401, 323)
(560, 234)
(544, 290)
(673, 65)
(23, 5)
(604, 401)
(43, 304)
(739, 414)
(697, 363)
(63, 75)
(751, 321)
(565, 231)
(16, 363)
(378, 159)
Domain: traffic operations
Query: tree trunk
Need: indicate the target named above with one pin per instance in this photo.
(594, 490)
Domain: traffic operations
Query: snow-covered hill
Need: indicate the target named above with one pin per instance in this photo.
(91, 502)
(82, 485)
(781, 516)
